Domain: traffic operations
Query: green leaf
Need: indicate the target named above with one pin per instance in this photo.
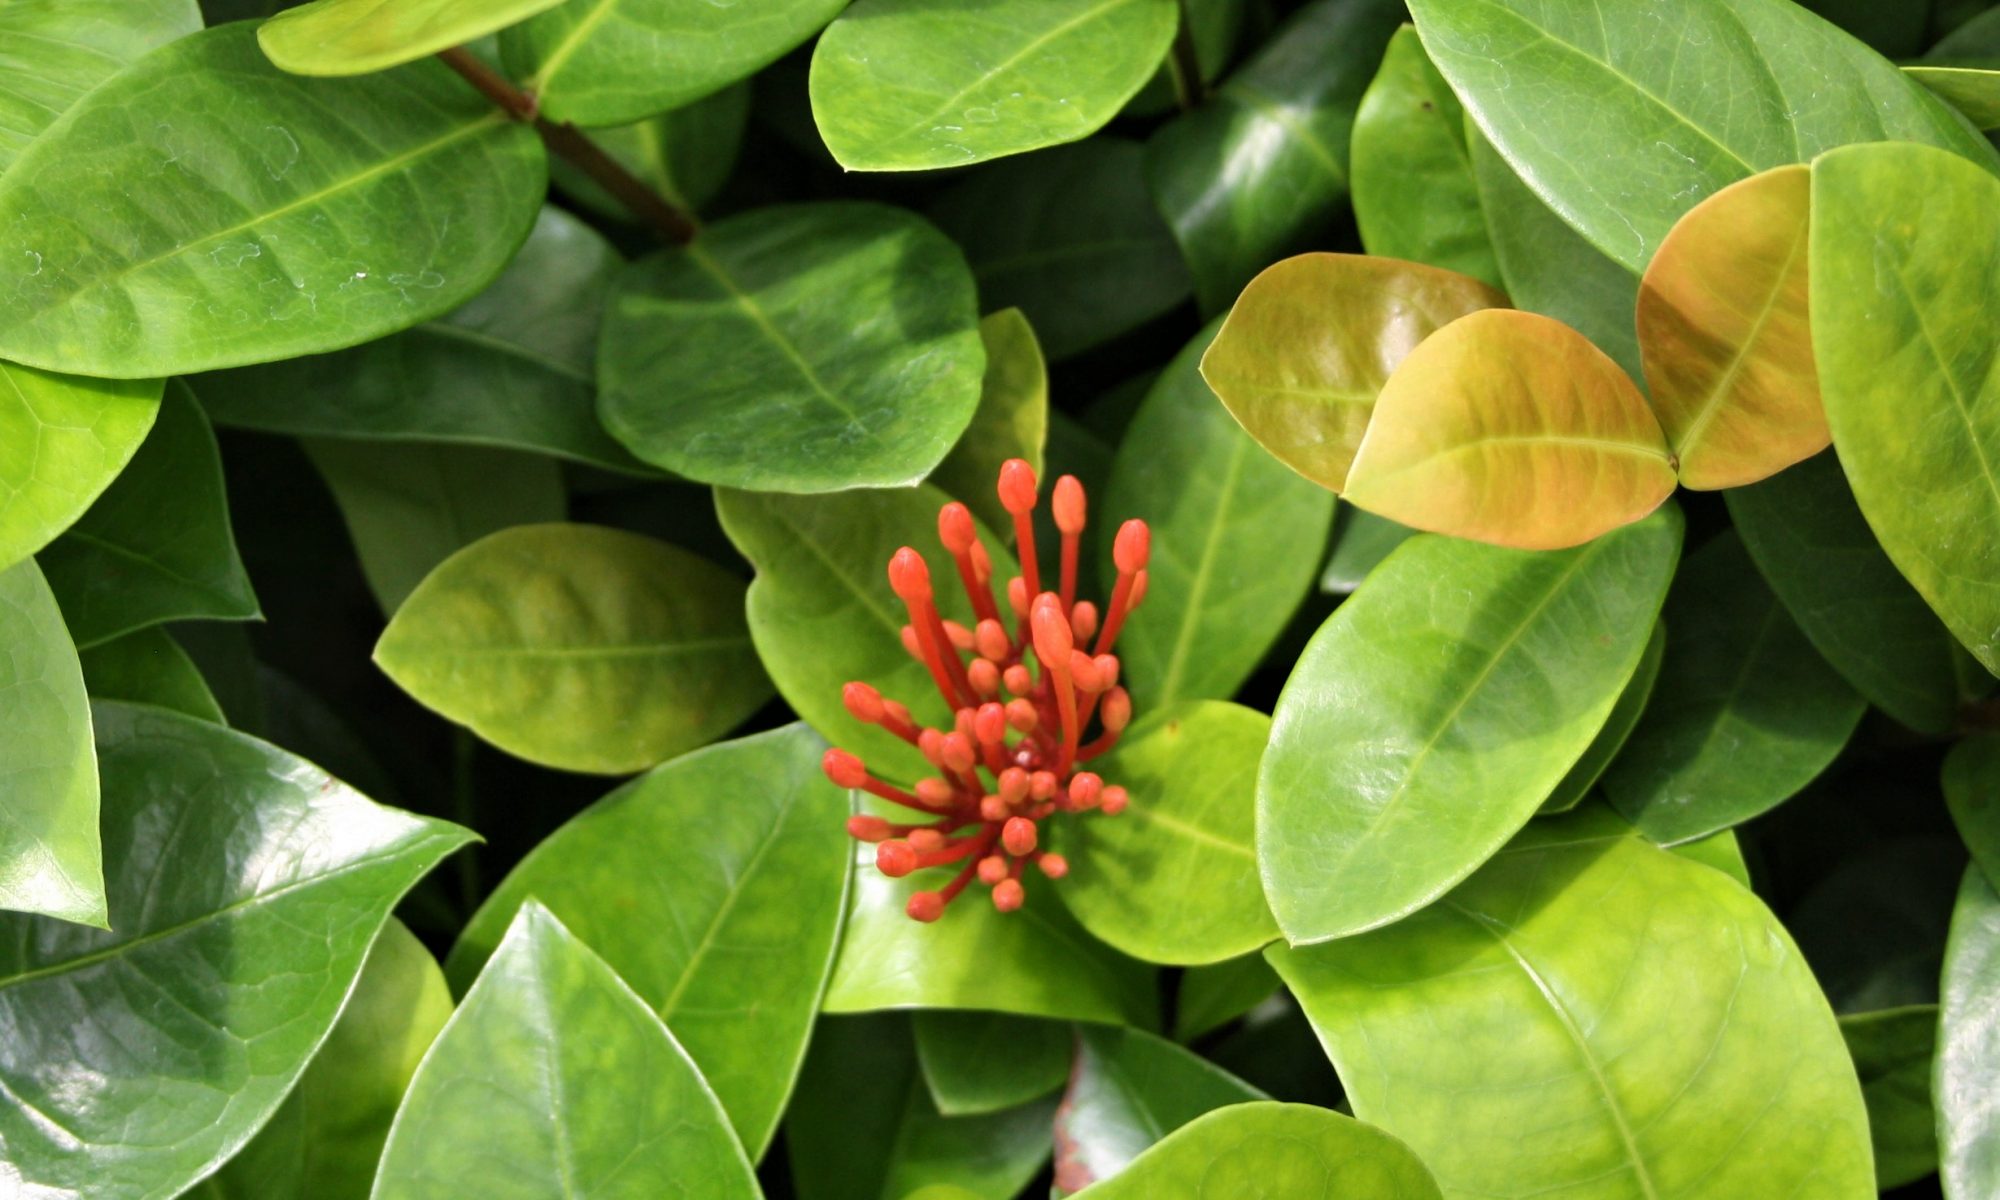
(1259, 171)
(1012, 420)
(157, 545)
(1128, 1091)
(578, 647)
(1437, 709)
(1968, 1050)
(1310, 343)
(513, 367)
(554, 1077)
(908, 85)
(1972, 793)
(149, 667)
(50, 859)
(611, 62)
(409, 506)
(732, 946)
(1173, 878)
(63, 439)
(1873, 927)
(1236, 539)
(1414, 194)
(1746, 712)
(355, 37)
(192, 1021)
(1617, 728)
(1892, 1051)
(1213, 996)
(1720, 851)
(1361, 540)
(1650, 1014)
(976, 1062)
(1976, 93)
(280, 215)
(851, 327)
(1070, 237)
(685, 155)
(1905, 257)
(1287, 1149)
(1816, 551)
(56, 50)
(1622, 132)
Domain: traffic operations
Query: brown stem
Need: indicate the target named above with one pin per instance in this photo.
(1185, 65)
(643, 202)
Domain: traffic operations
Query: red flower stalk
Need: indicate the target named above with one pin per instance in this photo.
(1022, 701)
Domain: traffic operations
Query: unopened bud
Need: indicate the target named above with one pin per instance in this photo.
(843, 768)
(1067, 504)
(930, 744)
(983, 676)
(958, 752)
(895, 858)
(991, 641)
(982, 563)
(1017, 596)
(1083, 619)
(1014, 785)
(993, 808)
(1018, 835)
(911, 646)
(1114, 801)
(1017, 486)
(864, 828)
(1053, 637)
(1042, 785)
(910, 576)
(1084, 789)
(925, 841)
(958, 635)
(992, 869)
(934, 792)
(1008, 895)
(863, 703)
(1055, 866)
(1021, 714)
(955, 528)
(1116, 711)
(1133, 546)
(990, 726)
(1017, 680)
(1084, 673)
(925, 907)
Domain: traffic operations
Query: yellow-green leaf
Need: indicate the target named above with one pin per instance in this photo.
(355, 37)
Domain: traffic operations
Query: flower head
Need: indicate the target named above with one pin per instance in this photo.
(1024, 686)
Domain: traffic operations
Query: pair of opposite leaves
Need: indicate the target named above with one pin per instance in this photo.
(1416, 394)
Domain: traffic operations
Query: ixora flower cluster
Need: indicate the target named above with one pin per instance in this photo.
(1020, 706)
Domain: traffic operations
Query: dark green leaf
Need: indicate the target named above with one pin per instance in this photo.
(149, 667)
(1212, 996)
(685, 155)
(1892, 1051)
(1617, 728)
(355, 37)
(1361, 540)
(1873, 928)
(56, 50)
(1968, 1051)
(1972, 792)
(1012, 420)
(63, 439)
(1129, 1090)
(1287, 1149)
(976, 1062)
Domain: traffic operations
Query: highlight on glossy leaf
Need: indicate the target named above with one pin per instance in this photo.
(63, 440)
(355, 37)
(1289, 1149)
(1511, 428)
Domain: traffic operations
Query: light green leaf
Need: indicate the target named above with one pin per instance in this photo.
(1972, 793)
(1130, 1089)
(1892, 1050)
(409, 506)
(578, 647)
(906, 85)
(1623, 132)
(157, 545)
(1288, 1149)
(555, 1078)
(612, 62)
(978, 1062)
(1905, 259)
(1976, 93)
(63, 439)
(1437, 709)
(1236, 538)
(1968, 1050)
(1012, 420)
(189, 1040)
(1618, 727)
(1212, 996)
(1745, 714)
(852, 327)
(355, 37)
(278, 216)
(149, 667)
(1650, 1014)
(56, 50)
(1173, 878)
(685, 155)
(1720, 851)
(732, 946)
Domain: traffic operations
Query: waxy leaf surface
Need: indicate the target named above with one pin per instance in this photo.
(578, 647)
(982, 1062)
(1649, 1012)
(149, 667)
(355, 37)
(1974, 92)
(851, 327)
(1893, 1049)
(1617, 728)
(63, 439)
(1128, 1090)
(555, 1078)
(1437, 709)
(1012, 420)
(280, 215)
(1968, 1051)
(1281, 1149)
(56, 50)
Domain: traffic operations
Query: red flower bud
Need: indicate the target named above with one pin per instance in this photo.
(1017, 680)
(1116, 711)
(1084, 789)
(1053, 637)
(984, 677)
(843, 768)
(863, 703)
(910, 576)
(925, 907)
(992, 869)
(1021, 715)
(955, 528)
(1008, 895)
(1133, 546)
(895, 858)
(1017, 486)
(1083, 619)
(1067, 505)
(864, 828)
(1018, 835)
(1114, 801)
(1055, 866)
(991, 641)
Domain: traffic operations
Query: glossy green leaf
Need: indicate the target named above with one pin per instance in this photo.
(1129, 1090)
(1361, 540)
(1437, 709)
(1173, 878)
(1817, 553)
(1623, 132)
(195, 1017)
(1972, 793)
(1287, 1149)
(732, 946)
(1650, 1014)
(1974, 92)
(1873, 927)
(242, 159)
(979, 1062)
(1311, 342)
(1414, 194)
(157, 545)
(611, 62)
(1509, 427)
(1745, 714)
(1617, 728)
(1725, 334)
(355, 37)
(1070, 237)
(1720, 851)
(409, 506)
(1905, 255)
(1012, 420)
(50, 858)
(1259, 171)
(149, 667)
(63, 439)
(685, 155)
(908, 85)
(56, 50)
(513, 367)
(1892, 1051)
(1968, 1051)
(579, 647)
(850, 326)
(1212, 996)
(555, 1078)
